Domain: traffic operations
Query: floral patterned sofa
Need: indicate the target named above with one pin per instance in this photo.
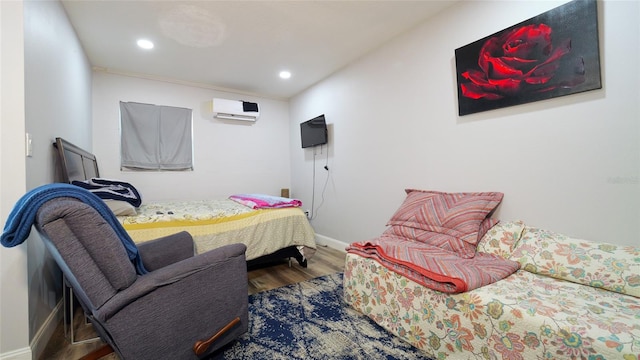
(571, 299)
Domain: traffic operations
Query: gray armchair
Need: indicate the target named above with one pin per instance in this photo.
(185, 307)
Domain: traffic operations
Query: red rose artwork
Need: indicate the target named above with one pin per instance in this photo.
(523, 60)
(531, 61)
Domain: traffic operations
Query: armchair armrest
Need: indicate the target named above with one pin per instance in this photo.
(180, 304)
(166, 250)
(215, 261)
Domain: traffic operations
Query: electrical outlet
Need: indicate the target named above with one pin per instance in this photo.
(306, 212)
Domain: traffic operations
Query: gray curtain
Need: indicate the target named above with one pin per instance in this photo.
(155, 137)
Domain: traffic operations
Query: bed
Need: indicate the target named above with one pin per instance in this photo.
(270, 234)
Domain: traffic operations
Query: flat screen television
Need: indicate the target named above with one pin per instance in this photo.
(314, 132)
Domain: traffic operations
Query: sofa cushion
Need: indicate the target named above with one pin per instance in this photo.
(501, 238)
(450, 221)
(525, 316)
(601, 265)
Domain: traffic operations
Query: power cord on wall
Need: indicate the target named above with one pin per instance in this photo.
(314, 211)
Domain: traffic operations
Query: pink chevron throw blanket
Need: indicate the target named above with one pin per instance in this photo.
(434, 267)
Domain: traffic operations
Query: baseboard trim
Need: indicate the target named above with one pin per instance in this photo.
(44, 334)
(331, 242)
(20, 354)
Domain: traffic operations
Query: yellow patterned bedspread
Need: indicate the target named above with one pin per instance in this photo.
(214, 223)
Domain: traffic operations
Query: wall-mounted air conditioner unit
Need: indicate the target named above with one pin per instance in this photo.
(235, 110)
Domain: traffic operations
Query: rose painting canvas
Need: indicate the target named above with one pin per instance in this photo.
(553, 54)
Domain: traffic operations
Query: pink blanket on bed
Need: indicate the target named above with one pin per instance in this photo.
(261, 201)
(434, 267)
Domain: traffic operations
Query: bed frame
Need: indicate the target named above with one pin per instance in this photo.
(75, 163)
(78, 164)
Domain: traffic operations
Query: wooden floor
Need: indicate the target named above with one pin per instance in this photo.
(325, 261)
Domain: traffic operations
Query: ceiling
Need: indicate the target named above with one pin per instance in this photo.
(240, 45)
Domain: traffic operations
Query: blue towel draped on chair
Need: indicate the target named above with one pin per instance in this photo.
(23, 215)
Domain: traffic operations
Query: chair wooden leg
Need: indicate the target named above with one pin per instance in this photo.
(201, 346)
(96, 354)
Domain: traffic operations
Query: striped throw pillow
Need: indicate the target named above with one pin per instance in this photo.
(451, 221)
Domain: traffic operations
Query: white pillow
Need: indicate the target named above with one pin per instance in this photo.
(121, 208)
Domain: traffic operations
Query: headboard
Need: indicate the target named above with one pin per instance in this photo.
(76, 163)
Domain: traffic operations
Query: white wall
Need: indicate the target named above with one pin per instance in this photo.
(229, 156)
(569, 164)
(58, 103)
(46, 91)
(14, 325)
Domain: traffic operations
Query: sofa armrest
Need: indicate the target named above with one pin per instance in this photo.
(166, 250)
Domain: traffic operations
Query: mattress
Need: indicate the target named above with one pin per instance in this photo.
(214, 223)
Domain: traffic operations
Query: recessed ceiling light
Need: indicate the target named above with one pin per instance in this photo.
(285, 74)
(145, 44)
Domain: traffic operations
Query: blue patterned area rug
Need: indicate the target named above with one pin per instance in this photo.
(309, 320)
